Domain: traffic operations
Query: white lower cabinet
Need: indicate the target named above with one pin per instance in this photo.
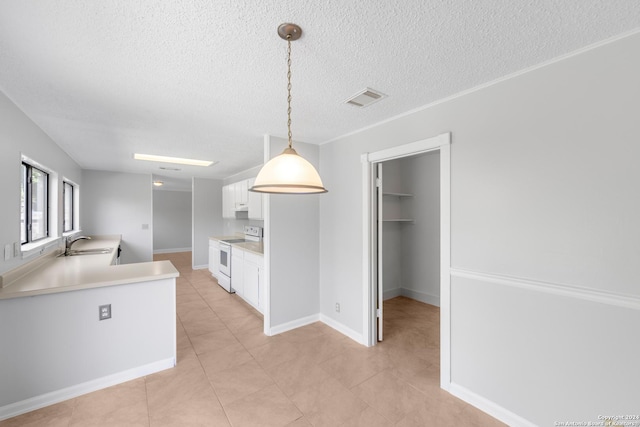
(237, 269)
(253, 266)
(214, 257)
(251, 275)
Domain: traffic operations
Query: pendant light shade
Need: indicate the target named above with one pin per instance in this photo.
(288, 173)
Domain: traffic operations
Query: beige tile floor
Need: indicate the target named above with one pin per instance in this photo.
(230, 374)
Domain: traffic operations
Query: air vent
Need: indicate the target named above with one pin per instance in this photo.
(165, 168)
(365, 97)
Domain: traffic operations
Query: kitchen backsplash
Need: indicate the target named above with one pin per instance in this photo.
(236, 226)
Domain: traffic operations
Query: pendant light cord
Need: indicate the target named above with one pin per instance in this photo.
(289, 88)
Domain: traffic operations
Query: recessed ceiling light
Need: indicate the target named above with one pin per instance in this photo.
(166, 159)
(158, 183)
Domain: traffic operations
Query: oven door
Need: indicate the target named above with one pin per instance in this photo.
(225, 259)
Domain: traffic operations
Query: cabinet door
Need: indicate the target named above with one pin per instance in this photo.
(252, 283)
(228, 200)
(255, 202)
(241, 196)
(237, 267)
(214, 258)
(261, 290)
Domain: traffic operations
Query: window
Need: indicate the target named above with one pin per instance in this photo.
(68, 207)
(34, 204)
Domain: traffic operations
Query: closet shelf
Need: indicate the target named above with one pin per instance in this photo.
(397, 194)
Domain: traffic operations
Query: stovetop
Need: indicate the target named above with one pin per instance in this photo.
(235, 240)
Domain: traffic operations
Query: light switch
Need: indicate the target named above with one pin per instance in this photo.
(8, 250)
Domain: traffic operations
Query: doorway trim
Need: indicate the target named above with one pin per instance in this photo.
(442, 143)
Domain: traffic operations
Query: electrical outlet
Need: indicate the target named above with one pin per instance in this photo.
(337, 307)
(104, 312)
(17, 249)
(8, 251)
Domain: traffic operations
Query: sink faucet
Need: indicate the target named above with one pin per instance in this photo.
(71, 241)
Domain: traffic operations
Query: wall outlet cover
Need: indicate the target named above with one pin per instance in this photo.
(104, 312)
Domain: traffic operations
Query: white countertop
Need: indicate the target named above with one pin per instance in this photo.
(55, 274)
(255, 247)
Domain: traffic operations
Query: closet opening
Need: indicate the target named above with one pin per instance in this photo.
(407, 240)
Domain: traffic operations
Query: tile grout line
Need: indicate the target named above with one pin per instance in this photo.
(198, 356)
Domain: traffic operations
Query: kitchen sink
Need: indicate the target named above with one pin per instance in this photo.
(95, 251)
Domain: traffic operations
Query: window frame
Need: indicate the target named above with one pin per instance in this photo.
(66, 186)
(27, 190)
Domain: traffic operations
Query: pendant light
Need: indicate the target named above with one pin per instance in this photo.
(288, 173)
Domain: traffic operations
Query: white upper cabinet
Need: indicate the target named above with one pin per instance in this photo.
(237, 197)
(241, 196)
(228, 201)
(256, 202)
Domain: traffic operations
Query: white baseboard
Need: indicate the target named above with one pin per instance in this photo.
(356, 336)
(410, 293)
(200, 267)
(284, 327)
(489, 407)
(37, 402)
(420, 296)
(391, 293)
(171, 250)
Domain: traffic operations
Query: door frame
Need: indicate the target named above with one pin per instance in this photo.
(442, 143)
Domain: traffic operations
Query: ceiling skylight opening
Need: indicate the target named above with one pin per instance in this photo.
(365, 97)
(175, 160)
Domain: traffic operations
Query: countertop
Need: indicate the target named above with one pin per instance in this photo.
(254, 247)
(53, 274)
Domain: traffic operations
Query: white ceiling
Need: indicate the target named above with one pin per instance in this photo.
(207, 79)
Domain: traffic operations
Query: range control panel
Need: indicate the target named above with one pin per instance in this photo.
(252, 230)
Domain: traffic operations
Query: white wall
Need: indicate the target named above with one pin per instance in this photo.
(19, 135)
(411, 261)
(293, 249)
(544, 208)
(393, 181)
(207, 217)
(55, 348)
(420, 262)
(171, 221)
(119, 203)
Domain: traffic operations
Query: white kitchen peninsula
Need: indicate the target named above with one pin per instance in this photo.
(53, 345)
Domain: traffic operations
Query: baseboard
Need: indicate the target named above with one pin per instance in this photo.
(420, 296)
(391, 293)
(284, 327)
(489, 407)
(170, 251)
(200, 267)
(344, 330)
(37, 402)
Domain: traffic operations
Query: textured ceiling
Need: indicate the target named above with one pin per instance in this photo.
(207, 79)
